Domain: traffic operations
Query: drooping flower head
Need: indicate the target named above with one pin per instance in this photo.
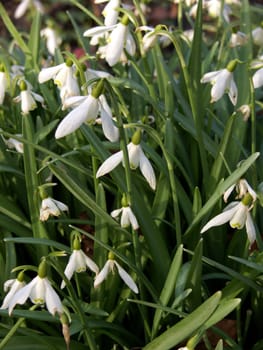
(12, 286)
(28, 98)
(49, 206)
(127, 216)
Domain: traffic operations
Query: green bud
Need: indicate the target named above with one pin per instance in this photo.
(76, 244)
(111, 256)
(232, 65)
(247, 200)
(42, 269)
(22, 85)
(98, 89)
(42, 192)
(136, 137)
(20, 276)
(2, 68)
(69, 62)
(124, 200)
(125, 20)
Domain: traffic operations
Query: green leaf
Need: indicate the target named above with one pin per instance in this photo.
(185, 328)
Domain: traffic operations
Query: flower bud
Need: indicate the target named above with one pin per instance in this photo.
(232, 65)
(42, 269)
(136, 137)
(98, 89)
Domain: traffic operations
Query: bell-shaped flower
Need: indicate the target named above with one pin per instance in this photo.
(39, 291)
(257, 36)
(78, 262)
(222, 81)
(25, 4)
(87, 110)
(28, 98)
(16, 144)
(238, 39)
(110, 12)
(214, 9)
(3, 84)
(257, 78)
(127, 216)
(238, 215)
(119, 39)
(50, 206)
(111, 263)
(242, 188)
(149, 38)
(137, 159)
(53, 40)
(12, 286)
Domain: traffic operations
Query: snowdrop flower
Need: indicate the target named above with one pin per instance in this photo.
(39, 291)
(14, 143)
(222, 81)
(110, 12)
(245, 111)
(150, 38)
(25, 4)
(119, 39)
(87, 110)
(257, 78)
(53, 40)
(28, 98)
(12, 285)
(136, 158)
(238, 39)
(78, 262)
(98, 34)
(257, 36)
(238, 216)
(127, 216)
(3, 84)
(214, 9)
(242, 188)
(111, 263)
(64, 77)
(50, 206)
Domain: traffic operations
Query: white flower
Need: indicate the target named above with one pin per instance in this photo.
(119, 39)
(238, 216)
(52, 39)
(242, 188)
(214, 9)
(23, 6)
(97, 33)
(245, 111)
(78, 262)
(13, 143)
(3, 86)
(127, 217)
(13, 285)
(40, 291)
(258, 78)
(109, 267)
(149, 39)
(222, 81)
(87, 110)
(50, 206)
(136, 158)
(257, 36)
(110, 12)
(238, 39)
(28, 98)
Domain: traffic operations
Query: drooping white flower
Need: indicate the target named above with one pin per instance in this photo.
(25, 4)
(50, 206)
(214, 9)
(87, 110)
(111, 13)
(40, 292)
(53, 40)
(111, 263)
(28, 98)
(127, 216)
(14, 143)
(222, 81)
(137, 159)
(238, 39)
(257, 78)
(242, 188)
(3, 84)
(257, 36)
(238, 215)
(149, 38)
(12, 286)
(78, 262)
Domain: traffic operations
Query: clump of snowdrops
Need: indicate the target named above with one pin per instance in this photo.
(131, 178)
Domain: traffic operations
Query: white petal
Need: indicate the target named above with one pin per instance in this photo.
(109, 129)
(21, 8)
(116, 44)
(258, 78)
(3, 85)
(134, 155)
(27, 102)
(61, 206)
(210, 76)
(37, 293)
(73, 101)
(240, 216)
(109, 164)
(250, 228)
(21, 296)
(133, 219)
(147, 170)
(98, 30)
(130, 45)
(52, 299)
(115, 213)
(17, 285)
(49, 73)
(228, 192)
(86, 111)
(127, 278)
(125, 217)
(220, 85)
(233, 92)
(37, 97)
(70, 268)
(222, 218)
(110, 13)
(103, 274)
(90, 263)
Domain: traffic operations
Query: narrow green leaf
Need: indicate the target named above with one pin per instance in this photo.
(34, 42)
(185, 328)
